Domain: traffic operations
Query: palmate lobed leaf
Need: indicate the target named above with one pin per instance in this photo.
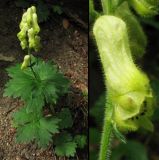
(21, 83)
(50, 75)
(21, 117)
(46, 129)
(66, 149)
(81, 140)
(49, 86)
(65, 145)
(53, 83)
(35, 103)
(26, 133)
(32, 126)
(44, 138)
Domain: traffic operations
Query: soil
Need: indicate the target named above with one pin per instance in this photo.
(68, 48)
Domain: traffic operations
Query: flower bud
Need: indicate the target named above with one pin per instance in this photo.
(137, 38)
(23, 21)
(31, 36)
(22, 34)
(33, 9)
(25, 62)
(145, 7)
(29, 16)
(35, 24)
(23, 44)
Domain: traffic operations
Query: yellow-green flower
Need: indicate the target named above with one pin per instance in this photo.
(29, 30)
(26, 62)
(128, 87)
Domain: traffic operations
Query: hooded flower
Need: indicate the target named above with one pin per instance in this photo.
(128, 87)
(29, 30)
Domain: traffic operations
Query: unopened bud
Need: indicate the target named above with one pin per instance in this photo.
(25, 62)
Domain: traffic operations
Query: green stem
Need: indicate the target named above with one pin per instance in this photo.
(29, 53)
(107, 133)
(106, 5)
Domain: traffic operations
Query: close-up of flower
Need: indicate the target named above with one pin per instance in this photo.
(122, 116)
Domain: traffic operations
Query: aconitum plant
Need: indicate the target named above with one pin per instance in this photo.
(129, 98)
(39, 85)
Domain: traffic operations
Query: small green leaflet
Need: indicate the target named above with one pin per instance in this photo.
(81, 140)
(65, 145)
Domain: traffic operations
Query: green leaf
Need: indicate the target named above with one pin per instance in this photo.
(64, 145)
(26, 133)
(21, 84)
(66, 118)
(35, 104)
(50, 85)
(66, 149)
(21, 117)
(50, 124)
(62, 137)
(53, 83)
(46, 129)
(31, 126)
(132, 151)
(44, 138)
(81, 140)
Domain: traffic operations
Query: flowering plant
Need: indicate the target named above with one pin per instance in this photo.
(39, 85)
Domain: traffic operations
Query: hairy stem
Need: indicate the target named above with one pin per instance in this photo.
(106, 135)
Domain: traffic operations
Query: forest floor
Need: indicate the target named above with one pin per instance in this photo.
(68, 48)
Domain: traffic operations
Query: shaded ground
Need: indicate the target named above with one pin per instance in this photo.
(67, 48)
